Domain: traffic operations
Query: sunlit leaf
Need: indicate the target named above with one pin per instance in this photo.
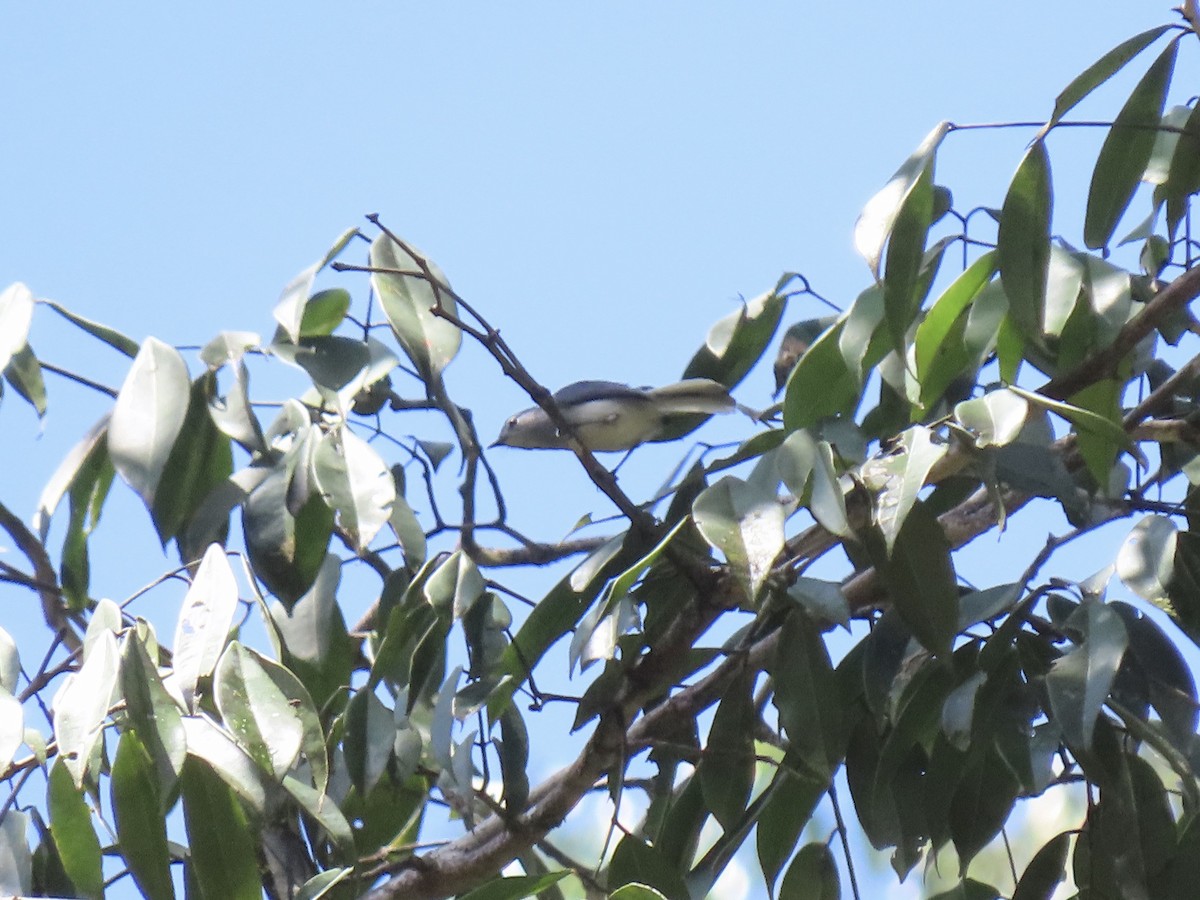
(16, 314)
(256, 711)
(408, 295)
(16, 861)
(1023, 242)
(898, 478)
(995, 419)
(209, 742)
(1079, 682)
(110, 336)
(81, 706)
(356, 484)
(152, 713)
(745, 524)
(74, 836)
(24, 373)
(148, 415)
(1146, 559)
(204, 621)
(1126, 151)
(875, 223)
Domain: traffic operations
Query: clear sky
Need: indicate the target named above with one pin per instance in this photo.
(601, 180)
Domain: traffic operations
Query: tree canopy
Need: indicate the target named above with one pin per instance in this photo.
(364, 653)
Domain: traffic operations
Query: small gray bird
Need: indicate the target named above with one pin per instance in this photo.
(607, 416)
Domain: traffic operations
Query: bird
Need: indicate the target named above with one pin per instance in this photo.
(795, 343)
(607, 416)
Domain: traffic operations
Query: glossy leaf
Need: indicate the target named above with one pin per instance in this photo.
(16, 862)
(66, 473)
(746, 525)
(16, 315)
(1100, 71)
(821, 385)
(356, 484)
(1045, 871)
(898, 478)
(635, 862)
(12, 727)
(408, 298)
(325, 812)
(74, 835)
(905, 253)
(1084, 420)
(286, 550)
(636, 892)
(874, 226)
(10, 662)
(1183, 178)
(370, 731)
(316, 646)
(937, 355)
(137, 808)
(1079, 682)
(1023, 242)
(324, 312)
(200, 460)
(110, 336)
(256, 711)
(995, 419)
(205, 619)
(1146, 559)
(736, 342)
(220, 840)
(823, 600)
(806, 467)
(455, 585)
(147, 417)
(24, 373)
(215, 747)
(1126, 151)
(152, 713)
(81, 706)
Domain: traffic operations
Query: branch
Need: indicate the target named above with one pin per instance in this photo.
(53, 609)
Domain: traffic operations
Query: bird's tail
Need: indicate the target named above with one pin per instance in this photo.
(694, 395)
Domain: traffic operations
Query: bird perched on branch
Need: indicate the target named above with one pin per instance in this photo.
(795, 344)
(608, 416)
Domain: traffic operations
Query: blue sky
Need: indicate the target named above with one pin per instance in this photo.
(601, 180)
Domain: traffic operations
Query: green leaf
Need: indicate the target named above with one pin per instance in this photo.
(727, 768)
(875, 224)
(898, 478)
(291, 308)
(1146, 560)
(16, 862)
(205, 619)
(807, 696)
(24, 373)
(74, 836)
(256, 711)
(369, 732)
(1171, 688)
(228, 347)
(821, 385)
(287, 550)
(1023, 242)
(322, 883)
(790, 803)
(12, 727)
(233, 414)
(1126, 151)
(919, 576)
(812, 875)
(148, 415)
(210, 743)
(514, 760)
(1183, 177)
(995, 419)
(356, 483)
(326, 814)
(1045, 871)
(16, 315)
(200, 460)
(981, 805)
(408, 531)
(324, 312)
(1079, 682)
(636, 892)
(1100, 71)
(735, 343)
(635, 862)
(64, 476)
(905, 253)
(408, 301)
(823, 600)
(1064, 282)
(1084, 420)
(152, 713)
(806, 467)
(138, 810)
(110, 336)
(745, 523)
(939, 357)
(316, 646)
(221, 843)
(517, 887)
(81, 706)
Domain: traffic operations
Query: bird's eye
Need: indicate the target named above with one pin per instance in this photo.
(512, 423)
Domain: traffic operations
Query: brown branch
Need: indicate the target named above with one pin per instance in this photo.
(1100, 365)
(54, 611)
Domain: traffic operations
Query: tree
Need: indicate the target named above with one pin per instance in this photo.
(946, 402)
